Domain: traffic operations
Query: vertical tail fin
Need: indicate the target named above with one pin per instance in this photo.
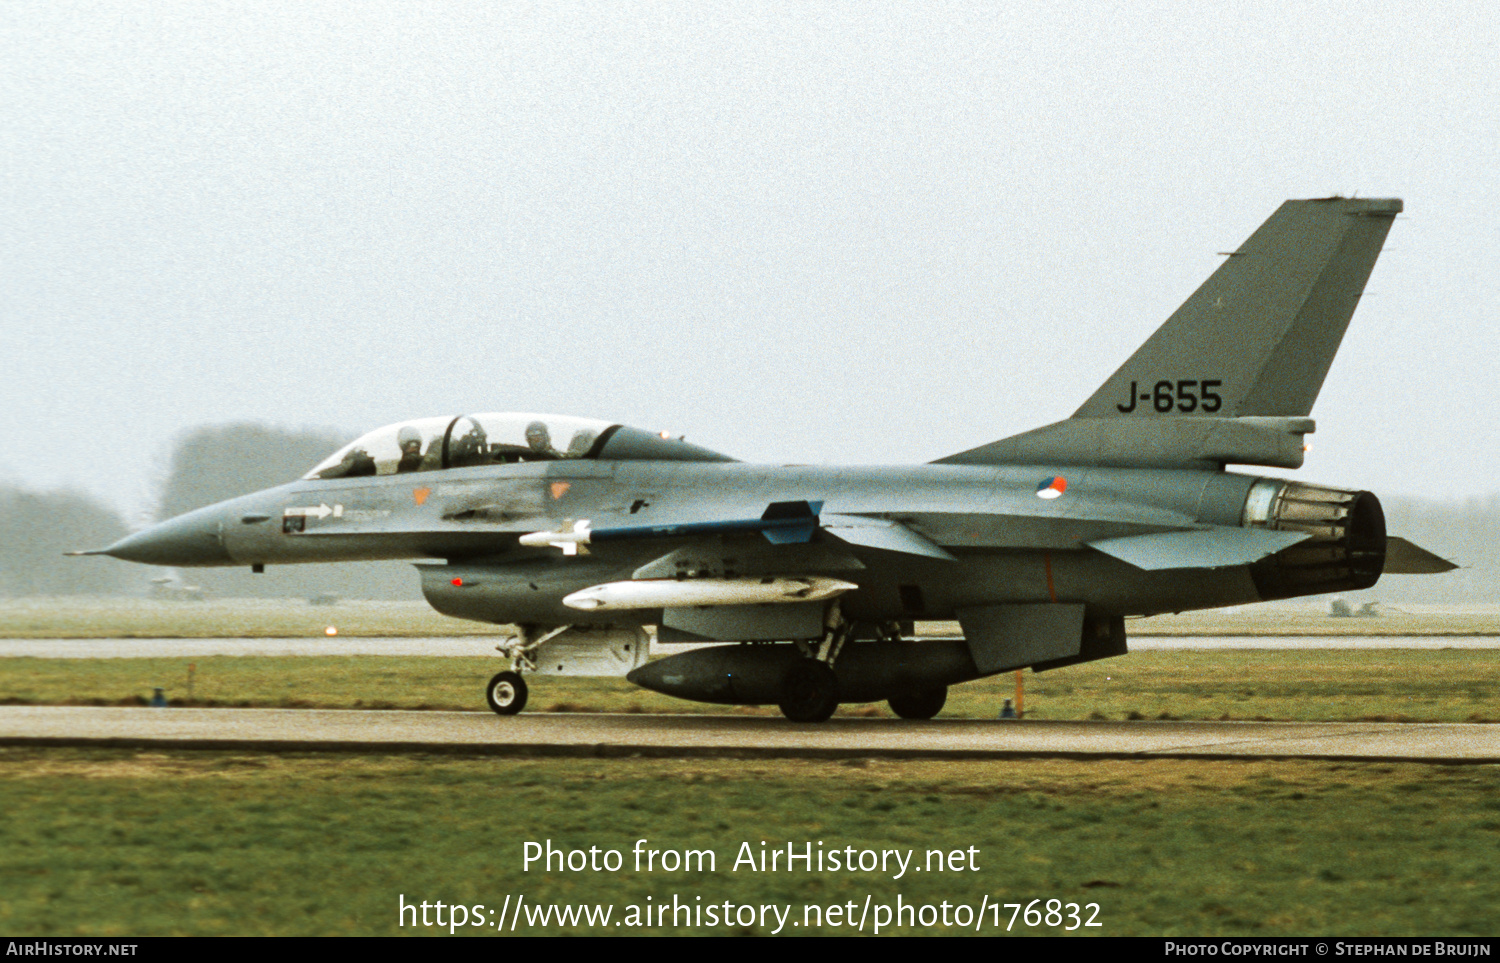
(1258, 337)
(1232, 375)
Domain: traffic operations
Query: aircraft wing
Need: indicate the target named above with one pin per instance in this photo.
(784, 545)
(783, 524)
(1217, 547)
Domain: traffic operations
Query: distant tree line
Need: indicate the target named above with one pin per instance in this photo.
(207, 465)
(36, 528)
(215, 462)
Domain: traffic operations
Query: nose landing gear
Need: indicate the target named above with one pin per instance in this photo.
(506, 693)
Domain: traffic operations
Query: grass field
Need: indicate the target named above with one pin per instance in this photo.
(118, 843)
(1445, 685)
(100, 843)
(84, 617)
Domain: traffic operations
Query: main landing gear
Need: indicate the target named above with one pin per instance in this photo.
(809, 692)
(810, 689)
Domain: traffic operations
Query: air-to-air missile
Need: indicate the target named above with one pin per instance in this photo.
(666, 593)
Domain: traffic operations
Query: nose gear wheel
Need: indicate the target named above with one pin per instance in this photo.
(506, 693)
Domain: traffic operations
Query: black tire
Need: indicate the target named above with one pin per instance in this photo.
(809, 692)
(506, 693)
(922, 704)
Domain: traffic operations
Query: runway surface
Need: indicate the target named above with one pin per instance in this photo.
(669, 736)
(478, 645)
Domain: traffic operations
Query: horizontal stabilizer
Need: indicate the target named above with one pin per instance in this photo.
(1154, 443)
(1404, 558)
(1198, 548)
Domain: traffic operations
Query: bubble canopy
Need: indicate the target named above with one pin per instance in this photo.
(499, 438)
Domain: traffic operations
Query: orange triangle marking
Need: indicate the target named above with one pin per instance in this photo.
(559, 489)
(420, 494)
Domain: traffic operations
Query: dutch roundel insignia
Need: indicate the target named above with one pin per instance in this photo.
(1052, 487)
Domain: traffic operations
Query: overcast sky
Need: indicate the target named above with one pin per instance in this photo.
(846, 233)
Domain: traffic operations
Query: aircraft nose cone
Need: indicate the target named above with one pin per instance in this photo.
(190, 539)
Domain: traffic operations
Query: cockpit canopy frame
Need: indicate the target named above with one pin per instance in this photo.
(498, 438)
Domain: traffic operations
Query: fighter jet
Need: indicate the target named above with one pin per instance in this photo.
(581, 533)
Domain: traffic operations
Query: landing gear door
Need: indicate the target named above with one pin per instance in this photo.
(1004, 637)
(592, 652)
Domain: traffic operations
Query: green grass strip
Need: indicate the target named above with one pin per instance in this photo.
(119, 843)
(1445, 685)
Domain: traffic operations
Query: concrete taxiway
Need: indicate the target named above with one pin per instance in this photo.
(677, 736)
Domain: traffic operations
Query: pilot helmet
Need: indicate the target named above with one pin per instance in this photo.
(537, 435)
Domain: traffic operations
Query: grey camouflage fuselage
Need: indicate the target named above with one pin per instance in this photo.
(1039, 545)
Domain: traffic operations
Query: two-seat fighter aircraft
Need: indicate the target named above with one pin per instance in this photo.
(582, 532)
